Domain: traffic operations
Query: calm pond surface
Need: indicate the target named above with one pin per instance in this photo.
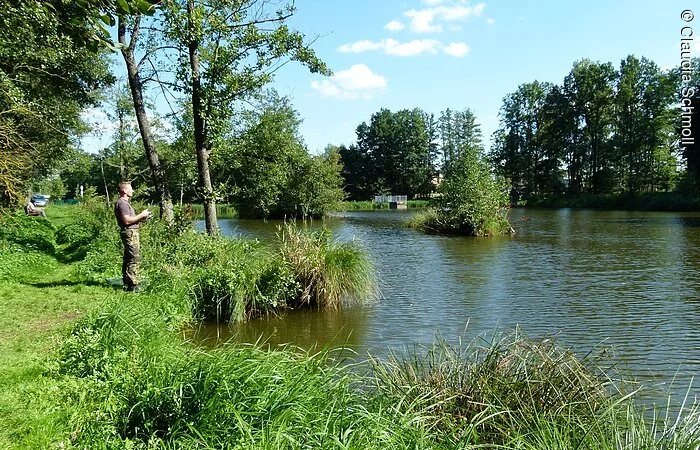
(629, 281)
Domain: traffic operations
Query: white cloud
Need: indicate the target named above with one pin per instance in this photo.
(422, 21)
(394, 25)
(410, 48)
(361, 46)
(356, 82)
(425, 20)
(490, 21)
(456, 49)
(393, 47)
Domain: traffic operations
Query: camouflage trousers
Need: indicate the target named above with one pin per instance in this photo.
(132, 257)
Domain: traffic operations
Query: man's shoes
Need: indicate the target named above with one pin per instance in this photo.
(132, 288)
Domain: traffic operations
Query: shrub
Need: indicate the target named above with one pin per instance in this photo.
(27, 232)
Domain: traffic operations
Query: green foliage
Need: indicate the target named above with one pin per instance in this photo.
(132, 384)
(472, 201)
(237, 44)
(19, 263)
(314, 188)
(392, 155)
(46, 79)
(603, 131)
(270, 172)
(29, 233)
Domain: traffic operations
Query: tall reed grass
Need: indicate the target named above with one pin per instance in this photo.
(517, 393)
(131, 384)
(328, 273)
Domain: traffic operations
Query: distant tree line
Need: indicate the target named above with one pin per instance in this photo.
(602, 131)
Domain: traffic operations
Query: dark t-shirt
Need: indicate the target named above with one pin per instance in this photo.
(122, 208)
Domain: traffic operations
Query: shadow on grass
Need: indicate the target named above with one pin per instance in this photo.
(58, 283)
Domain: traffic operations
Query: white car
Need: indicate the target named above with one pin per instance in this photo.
(40, 199)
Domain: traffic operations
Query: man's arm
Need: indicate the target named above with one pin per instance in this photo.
(128, 219)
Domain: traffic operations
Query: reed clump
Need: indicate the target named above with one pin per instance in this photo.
(515, 392)
(327, 273)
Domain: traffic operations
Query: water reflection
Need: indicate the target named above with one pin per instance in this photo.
(309, 330)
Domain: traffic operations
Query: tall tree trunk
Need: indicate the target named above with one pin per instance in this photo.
(104, 180)
(200, 137)
(149, 145)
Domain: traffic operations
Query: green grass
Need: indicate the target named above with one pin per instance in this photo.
(86, 366)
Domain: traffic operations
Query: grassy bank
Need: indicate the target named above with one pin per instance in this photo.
(84, 365)
(370, 205)
(656, 201)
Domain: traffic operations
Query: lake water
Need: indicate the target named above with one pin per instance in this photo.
(627, 281)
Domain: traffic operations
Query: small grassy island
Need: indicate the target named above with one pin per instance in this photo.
(85, 365)
(472, 202)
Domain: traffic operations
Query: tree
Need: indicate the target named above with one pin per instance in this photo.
(589, 88)
(520, 152)
(132, 28)
(643, 125)
(356, 172)
(314, 187)
(268, 170)
(688, 128)
(459, 133)
(229, 49)
(472, 201)
(47, 77)
(397, 146)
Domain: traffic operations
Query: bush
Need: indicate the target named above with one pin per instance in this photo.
(30, 233)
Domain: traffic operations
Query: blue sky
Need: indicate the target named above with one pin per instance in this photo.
(438, 54)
